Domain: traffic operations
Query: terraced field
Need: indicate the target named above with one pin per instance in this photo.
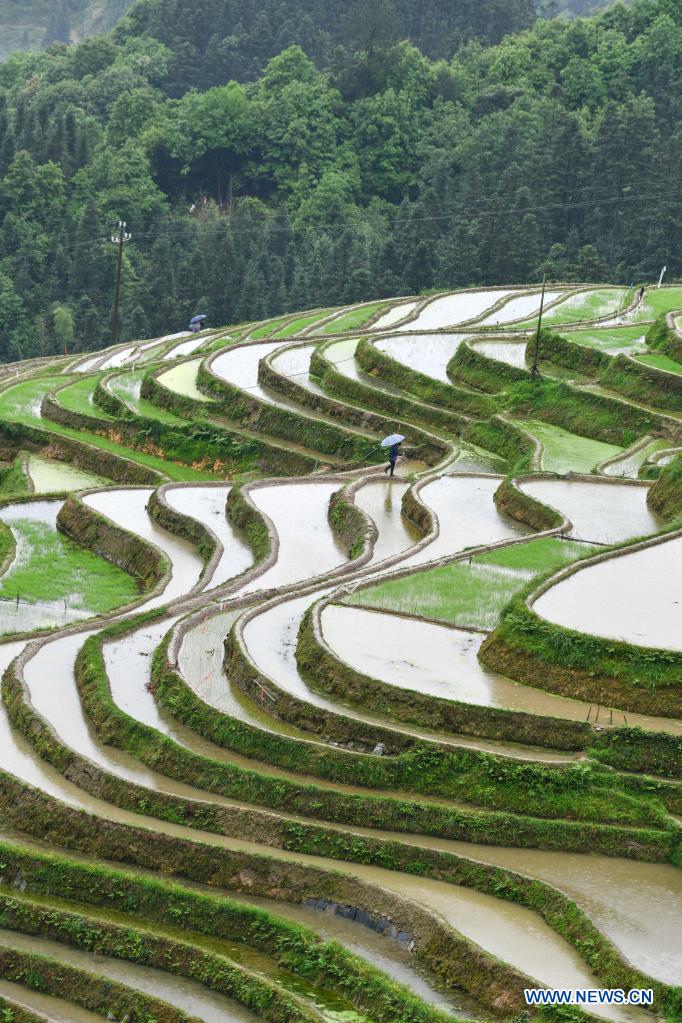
(284, 739)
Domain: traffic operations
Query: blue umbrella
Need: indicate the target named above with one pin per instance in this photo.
(198, 319)
(394, 438)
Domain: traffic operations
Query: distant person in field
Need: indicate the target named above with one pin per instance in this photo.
(640, 297)
(393, 456)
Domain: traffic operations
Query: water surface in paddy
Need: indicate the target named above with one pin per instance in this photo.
(54, 1009)
(382, 952)
(637, 905)
(467, 516)
(239, 367)
(513, 353)
(529, 940)
(449, 310)
(636, 598)
(186, 995)
(185, 348)
(207, 505)
(307, 546)
(394, 315)
(442, 661)
(601, 512)
(630, 464)
(294, 363)
(518, 308)
(49, 476)
(118, 358)
(183, 380)
(427, 353)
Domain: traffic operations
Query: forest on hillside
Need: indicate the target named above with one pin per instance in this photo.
(352, 164)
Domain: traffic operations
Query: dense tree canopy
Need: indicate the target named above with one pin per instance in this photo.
(338, 173)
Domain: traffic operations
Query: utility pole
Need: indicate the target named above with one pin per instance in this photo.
(534, 371)
(118, 239)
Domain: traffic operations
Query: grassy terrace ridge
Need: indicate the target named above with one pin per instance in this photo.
(663, 362)
(21, 404)
(301, 323)
(471, 595)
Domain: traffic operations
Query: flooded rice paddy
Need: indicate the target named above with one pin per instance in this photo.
(50, 477)
(635, 598)
(449, 310)
(429, 354)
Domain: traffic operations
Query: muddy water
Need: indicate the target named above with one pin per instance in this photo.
(49, 476)
(427, 353)
(441, 661)
(466, 514)
(382, 501)
(513, 353)
(200, 662)
(381, 952)
(526, 938)
(127, 508)
(636, 598)
(630, 464)
(394, 315)
(519, 308)
(637, 905)
(207, 505)
(186, 995)
(307, 546)
(474, 459)
(602, 512)
(183, 380)
(453, 309)
(54, 1009)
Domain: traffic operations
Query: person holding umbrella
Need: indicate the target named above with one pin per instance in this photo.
(392, 442)
(197, 323)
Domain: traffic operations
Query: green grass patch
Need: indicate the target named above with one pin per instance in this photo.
(585, 306)
(78, 398)
(49, 567)
(472, 594)
(269, 328)
(659, 301)
(302, 322)
(354, 319)
(126, 386)
(610, 340)
(563, 451)
(661, 362)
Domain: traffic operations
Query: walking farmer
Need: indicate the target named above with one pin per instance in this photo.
(393, 443)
